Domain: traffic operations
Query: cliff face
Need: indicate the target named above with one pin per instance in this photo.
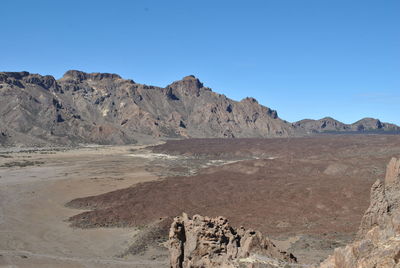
(378, 242)
(104, 108)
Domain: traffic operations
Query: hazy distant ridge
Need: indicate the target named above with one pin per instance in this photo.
(328, 124)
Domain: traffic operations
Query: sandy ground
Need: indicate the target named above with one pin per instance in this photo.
(36, 184)
(33, 230)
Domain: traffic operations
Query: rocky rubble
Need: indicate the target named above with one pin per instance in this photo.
(212, 242)
(378, 242)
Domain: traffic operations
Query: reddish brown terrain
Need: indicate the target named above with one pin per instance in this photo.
(317, 187)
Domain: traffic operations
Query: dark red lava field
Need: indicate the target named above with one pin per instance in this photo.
(313, 185)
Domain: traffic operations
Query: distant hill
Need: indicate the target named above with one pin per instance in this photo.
(328, 124)
(104, 108)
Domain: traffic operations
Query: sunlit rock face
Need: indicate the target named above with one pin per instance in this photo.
(212, 242)
(378, 242)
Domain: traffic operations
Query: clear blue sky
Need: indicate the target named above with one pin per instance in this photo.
(304, 58)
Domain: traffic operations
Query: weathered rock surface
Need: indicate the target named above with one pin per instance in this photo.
(212, 242)
(378, 242)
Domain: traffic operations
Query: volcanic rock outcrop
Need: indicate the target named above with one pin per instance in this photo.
(212, 242)
(378, 242)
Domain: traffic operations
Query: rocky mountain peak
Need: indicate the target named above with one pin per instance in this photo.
(17, 78)
(367, 119)
(16, 75)
(74, 75)
(190, 77)
(369, 123)
(189, 86)
(328, 118)
(249, 100)
(13, 78)
(46, 81)
(80, 76)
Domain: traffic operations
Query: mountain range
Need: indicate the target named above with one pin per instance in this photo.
(104, 108)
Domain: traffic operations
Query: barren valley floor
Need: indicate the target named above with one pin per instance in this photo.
(307, 193)
(33, 227)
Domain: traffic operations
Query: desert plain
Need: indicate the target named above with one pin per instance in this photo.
(111, 206)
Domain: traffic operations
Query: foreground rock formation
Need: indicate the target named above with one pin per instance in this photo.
(378, 242)
(104, 108)
(212, 242)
